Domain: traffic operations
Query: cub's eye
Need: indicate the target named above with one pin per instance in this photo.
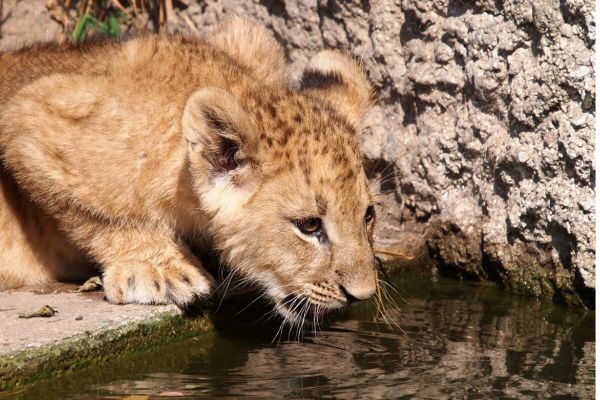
(370, 214)
(309, 226)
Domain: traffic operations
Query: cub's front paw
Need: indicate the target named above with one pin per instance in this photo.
(182, 284)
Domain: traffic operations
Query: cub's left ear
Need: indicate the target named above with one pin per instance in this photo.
(219, 131)
(342, 80)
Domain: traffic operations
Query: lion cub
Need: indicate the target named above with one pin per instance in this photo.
(121, 154)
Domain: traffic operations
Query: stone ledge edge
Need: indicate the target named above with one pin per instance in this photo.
(30, 365)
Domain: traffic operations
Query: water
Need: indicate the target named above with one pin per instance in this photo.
(455, 340)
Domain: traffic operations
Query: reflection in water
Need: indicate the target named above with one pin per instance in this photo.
(458, 340)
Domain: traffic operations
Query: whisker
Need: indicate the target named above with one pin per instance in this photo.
(229, 278)
(252, 302)
(380, 173)
(383, 297)
(388, 285)
(280, 330)
(384, 273)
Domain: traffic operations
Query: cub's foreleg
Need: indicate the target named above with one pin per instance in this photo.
(141, 264)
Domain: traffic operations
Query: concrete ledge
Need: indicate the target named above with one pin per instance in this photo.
(86, 330)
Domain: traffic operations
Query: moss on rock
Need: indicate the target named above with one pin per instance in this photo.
(29, 365)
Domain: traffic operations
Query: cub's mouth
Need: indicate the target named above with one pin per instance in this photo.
(299, 308)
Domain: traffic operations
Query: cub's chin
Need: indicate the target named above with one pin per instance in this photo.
(300, 310)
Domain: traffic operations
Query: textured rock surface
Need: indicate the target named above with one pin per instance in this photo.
(24, 22)
(483, 128)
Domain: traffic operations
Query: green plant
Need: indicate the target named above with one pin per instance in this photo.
(82, 19)
(111, 26)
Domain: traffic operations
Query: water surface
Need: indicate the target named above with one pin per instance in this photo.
(454, 340)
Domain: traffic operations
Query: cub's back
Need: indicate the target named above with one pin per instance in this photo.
(21, 67)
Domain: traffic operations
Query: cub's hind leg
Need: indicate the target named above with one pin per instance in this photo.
(32, 250)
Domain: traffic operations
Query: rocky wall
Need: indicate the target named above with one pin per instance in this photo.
(483, 128)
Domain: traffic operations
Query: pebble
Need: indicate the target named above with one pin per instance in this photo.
(523, 157)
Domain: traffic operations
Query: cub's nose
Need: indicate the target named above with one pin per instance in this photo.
(358, 293)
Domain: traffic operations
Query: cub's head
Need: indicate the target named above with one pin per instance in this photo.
(291, 206)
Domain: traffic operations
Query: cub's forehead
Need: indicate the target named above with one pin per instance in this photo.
(303, 134)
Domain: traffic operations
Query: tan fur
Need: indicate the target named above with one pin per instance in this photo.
(342, 81)
(254, 48)
(123, 154)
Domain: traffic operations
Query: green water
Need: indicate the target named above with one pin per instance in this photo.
(454, 340)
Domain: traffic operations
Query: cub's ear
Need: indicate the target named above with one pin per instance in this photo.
(254, 47)
(219, 130)
(342, 80)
